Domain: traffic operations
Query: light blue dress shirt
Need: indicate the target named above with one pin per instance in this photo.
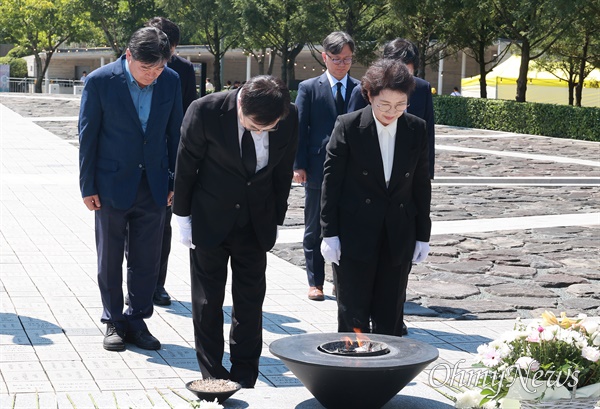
(142, 97)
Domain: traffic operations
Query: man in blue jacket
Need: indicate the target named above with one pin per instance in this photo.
(320, 100)
(128, 134)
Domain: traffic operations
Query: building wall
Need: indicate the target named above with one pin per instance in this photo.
(69, 65)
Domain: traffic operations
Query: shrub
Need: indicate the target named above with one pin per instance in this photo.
(18, 66)
(563, 121)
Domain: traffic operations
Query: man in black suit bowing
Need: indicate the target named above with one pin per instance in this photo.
(232, 181)
(320, 100)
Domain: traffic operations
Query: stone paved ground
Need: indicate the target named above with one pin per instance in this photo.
(479, 275)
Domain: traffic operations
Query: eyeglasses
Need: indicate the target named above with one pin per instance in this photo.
(256, 130)
(388, 107)
(338, 61)
(251, 126)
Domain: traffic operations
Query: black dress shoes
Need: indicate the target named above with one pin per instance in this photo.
(161, 297)
(114, 340)
(404, 329)
(143, 339)
(246, 384)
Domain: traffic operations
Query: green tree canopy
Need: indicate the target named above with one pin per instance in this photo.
(42, 26)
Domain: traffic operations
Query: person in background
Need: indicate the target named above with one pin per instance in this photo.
(376, 202)
(232, 182)
(129, 123)
(209, 86)
(187, 77)
(421, 100)
(320, 100)
(83, 76)
(456, 92)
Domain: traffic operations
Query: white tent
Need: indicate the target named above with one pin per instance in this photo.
(542, 86)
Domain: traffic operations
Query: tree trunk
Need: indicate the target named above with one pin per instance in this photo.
(482, 72)
(571, 89)
(39, 73)
(284, 58)
(579, 87)
(523, 69)
(217, 58)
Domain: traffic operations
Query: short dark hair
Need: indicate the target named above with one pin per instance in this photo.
(265, 99)
(335, 41)
(387, 73)
(168, 27)
(149, 45)
(403, 50)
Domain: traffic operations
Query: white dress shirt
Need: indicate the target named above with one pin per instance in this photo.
(387, 144)
(261, 144)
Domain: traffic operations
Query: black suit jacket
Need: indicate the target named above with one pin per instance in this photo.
(356, 204)
(211, 183)
(187, 76)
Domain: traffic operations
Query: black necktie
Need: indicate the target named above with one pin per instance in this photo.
(339, 99)
(248, 153)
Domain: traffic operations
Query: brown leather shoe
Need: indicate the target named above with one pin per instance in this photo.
(316, 293)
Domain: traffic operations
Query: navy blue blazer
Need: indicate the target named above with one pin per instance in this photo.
(421, 105)
(317, 114)
(187, 76)
(114, 150)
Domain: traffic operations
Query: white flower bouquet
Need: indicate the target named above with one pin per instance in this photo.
(552, 359)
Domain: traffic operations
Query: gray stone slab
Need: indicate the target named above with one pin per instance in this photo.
(520, 290)
(536, 261)
(469, 306)
(586, 290)
(444, 290)
(464, 267)
(528, 303)
(411, 308)
(479, 280)
(558, 280)
(580, 303)
(512, 271)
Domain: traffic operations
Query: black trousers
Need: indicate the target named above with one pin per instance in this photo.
(208, 279)
(141, 227)
(371, 295)
(165, 250)
(315, 264)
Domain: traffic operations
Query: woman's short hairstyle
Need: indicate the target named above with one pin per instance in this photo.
(387, 74)
(265, 99)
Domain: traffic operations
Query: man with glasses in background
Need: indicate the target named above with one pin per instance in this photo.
(232, 181)
(320, 100)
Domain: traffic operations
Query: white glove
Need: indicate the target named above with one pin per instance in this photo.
(185, 231)
(421, 252)
(331, 249)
